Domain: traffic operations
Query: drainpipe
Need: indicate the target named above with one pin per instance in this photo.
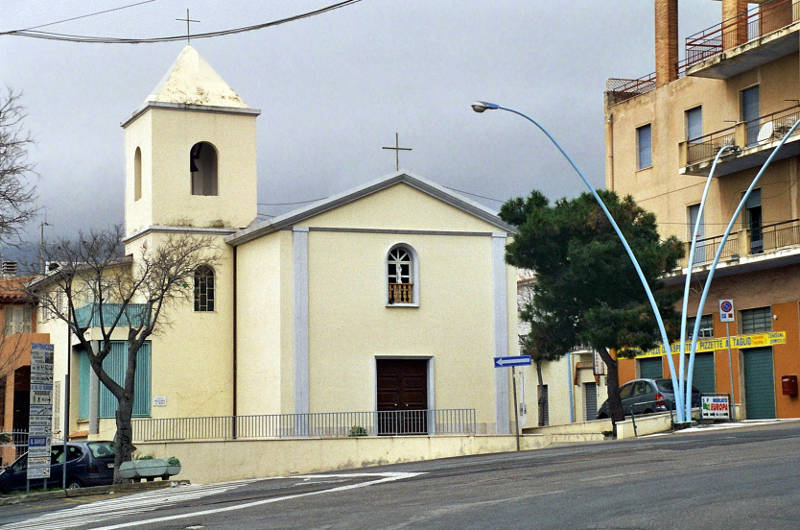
(235, 343)
(571, 398)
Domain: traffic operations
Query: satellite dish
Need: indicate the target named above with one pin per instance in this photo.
(765, 132)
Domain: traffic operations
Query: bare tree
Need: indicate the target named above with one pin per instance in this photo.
(114, 291)
(16, 194)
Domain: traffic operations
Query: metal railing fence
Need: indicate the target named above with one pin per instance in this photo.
(779, 235)
(757, 21)
(16, 439)
(759, 131)
(318, 424)
(707, 247)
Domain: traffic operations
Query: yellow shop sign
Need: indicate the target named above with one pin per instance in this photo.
(753, 340)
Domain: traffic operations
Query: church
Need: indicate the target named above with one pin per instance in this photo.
(391, 296)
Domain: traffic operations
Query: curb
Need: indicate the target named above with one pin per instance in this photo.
(95, 490)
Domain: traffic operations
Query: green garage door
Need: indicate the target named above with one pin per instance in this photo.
(651, 368)
(703, 373)
(759, 385)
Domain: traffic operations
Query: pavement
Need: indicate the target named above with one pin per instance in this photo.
(114, 489)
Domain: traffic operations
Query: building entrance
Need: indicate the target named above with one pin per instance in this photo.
(402, 392)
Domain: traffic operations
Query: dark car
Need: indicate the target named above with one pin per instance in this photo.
(88, 464)
(644, 396)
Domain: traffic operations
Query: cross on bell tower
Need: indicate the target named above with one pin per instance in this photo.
(187, 20)
(397, 150)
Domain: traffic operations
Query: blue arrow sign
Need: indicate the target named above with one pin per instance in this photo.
(519, 360)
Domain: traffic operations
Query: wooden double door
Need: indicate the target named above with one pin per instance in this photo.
(402, 396)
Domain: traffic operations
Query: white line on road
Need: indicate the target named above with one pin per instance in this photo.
(605, 477)
(385, 477)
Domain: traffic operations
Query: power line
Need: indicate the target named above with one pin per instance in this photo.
(476, 195)
(290, 203)
(115, 40)
(81, 16)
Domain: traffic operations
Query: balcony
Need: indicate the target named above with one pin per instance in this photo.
(757, 137)
(772, 245)
(620, 89)
(754, 37)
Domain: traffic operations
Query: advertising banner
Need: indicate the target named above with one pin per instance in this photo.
(715, 407)
(753, 340)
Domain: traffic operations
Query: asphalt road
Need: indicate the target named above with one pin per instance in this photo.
(737, 478)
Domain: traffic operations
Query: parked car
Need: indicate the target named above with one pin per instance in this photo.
(88, 464)
(644, 396)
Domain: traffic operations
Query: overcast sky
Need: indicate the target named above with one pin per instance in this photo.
(335, 88)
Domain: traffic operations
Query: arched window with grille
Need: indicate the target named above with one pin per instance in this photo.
(402, 276)
(204, 288)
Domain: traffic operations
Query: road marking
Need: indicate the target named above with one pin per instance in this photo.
(605, 477)
(385, 477)
(130, 504)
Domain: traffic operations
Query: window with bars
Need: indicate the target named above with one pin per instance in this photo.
(757, 320)
(400, 272)
(204, 288)
(706, 327)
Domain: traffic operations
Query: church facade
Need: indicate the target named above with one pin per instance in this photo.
(390, 296)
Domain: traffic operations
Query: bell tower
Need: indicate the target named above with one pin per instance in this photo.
(190, 153)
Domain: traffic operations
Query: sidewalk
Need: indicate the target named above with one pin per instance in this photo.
(724, 425)
(20, 498)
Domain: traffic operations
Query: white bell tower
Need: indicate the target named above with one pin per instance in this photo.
(190, 153)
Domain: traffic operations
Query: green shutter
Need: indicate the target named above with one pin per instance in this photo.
(651, 368)
(703, 373)
(114, 365)
(83, 385)
(759, 383)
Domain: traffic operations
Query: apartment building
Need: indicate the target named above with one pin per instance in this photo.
(736, 83)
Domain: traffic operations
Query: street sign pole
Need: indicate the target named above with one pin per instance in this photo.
(516, 415)
(513, 362)
(728, 315)
(730, 370)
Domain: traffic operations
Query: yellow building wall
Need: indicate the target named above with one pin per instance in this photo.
(165, 137)
(192, 351)
(668, 194)
(260, 325)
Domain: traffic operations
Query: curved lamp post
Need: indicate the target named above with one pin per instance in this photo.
(707, 287)
(480, 106)
(735, 149)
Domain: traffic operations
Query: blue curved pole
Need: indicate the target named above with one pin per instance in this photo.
(695, 231)
(707, 287)
(678, 397)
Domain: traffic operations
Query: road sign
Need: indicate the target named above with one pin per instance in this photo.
(726, 311)
(518, 360)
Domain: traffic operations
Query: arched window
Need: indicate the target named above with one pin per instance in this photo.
(204, 288)
(401, 275)
(203, 167)
(137, 174)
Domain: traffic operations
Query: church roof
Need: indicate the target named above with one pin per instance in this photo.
(191, 81)
(426, 186)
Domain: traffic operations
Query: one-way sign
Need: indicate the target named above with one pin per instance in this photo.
(519, 360)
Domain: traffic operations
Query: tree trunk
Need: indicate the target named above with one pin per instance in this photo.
(123, 440)
(541, 401)
(614, 402)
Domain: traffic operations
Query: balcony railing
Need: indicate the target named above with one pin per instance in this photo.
(707, 247)
(322, 424)
(760, 131)
(757, 21)
(401, 293)
(773, 237)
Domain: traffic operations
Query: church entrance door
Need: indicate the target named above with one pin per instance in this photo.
(402, 396)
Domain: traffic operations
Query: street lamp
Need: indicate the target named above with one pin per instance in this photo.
(479, 107)
(713, 268)
(681, 374)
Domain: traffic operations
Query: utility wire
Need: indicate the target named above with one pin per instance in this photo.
(115, 40)
(289, 203)
(475, 194)
(80, 17)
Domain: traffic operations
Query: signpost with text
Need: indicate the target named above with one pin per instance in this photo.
(726, 314)
(40, 412)
(513, 362)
